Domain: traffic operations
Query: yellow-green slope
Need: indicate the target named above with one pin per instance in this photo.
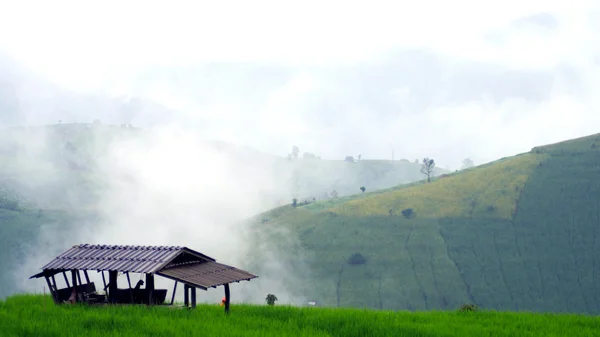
(457, 195)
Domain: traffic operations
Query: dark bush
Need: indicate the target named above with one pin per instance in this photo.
(294, 202)
(271, 299)
(357, 258)
(467, 308)
(408, 213)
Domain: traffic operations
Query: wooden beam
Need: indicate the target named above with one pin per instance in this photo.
(186, 294)
(87, 277)
(66, 279)
(54, 283)
(79, 277)
(129, 283)
(150, 288)
(51, 291)
(103, 280)
(173, 296)
(112, 286)
(74, 280)
(193, 289)
(227, 298)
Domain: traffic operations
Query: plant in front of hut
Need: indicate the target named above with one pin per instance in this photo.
(271, 299)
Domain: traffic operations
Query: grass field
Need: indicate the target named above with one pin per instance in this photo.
(36, 315)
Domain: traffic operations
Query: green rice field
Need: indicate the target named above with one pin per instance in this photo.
(36, 315)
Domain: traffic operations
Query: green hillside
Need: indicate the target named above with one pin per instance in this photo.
(38, 316)
(19, 233)
(517, 234)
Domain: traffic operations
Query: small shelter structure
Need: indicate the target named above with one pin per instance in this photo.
(180, 264)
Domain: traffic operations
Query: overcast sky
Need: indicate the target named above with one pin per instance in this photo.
(446, 79)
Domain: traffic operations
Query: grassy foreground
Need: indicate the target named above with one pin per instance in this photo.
(35, 315)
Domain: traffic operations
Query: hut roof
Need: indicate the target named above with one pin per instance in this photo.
(174, 262)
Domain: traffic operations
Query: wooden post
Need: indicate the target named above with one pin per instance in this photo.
(103, 280)
(74, 281)
(130, 290)
(150, 288)
(193, 289)
(186, 295)
(51, 291)
(227, 298)
(173, 296)
(79, 277)
(112, 286)
(54, 283)
(87, 277)
(66, 279)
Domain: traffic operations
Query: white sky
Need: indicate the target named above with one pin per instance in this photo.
(76, 40)
(101, 46)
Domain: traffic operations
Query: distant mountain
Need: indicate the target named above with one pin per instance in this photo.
(67, 158)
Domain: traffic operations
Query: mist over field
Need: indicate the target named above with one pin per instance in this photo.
(138, 123)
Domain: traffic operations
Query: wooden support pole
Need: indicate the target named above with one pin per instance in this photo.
(173, 296)
(186, 295)
(193, 289)
(130, 290)
(87, 277)
(227, 298)
(54, 283)
(51, 291)
(103, 280)
(150, 288)
(112, 286)
(74, 281)
(66, 279)
(79, 277)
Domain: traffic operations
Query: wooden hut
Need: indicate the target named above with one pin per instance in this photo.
(180, 264)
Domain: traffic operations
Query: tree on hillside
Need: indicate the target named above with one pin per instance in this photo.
(295, 153)
(362, 188)
(427, 167)
(467, 163)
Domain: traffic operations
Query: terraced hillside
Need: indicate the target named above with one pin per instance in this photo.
(520, 233)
